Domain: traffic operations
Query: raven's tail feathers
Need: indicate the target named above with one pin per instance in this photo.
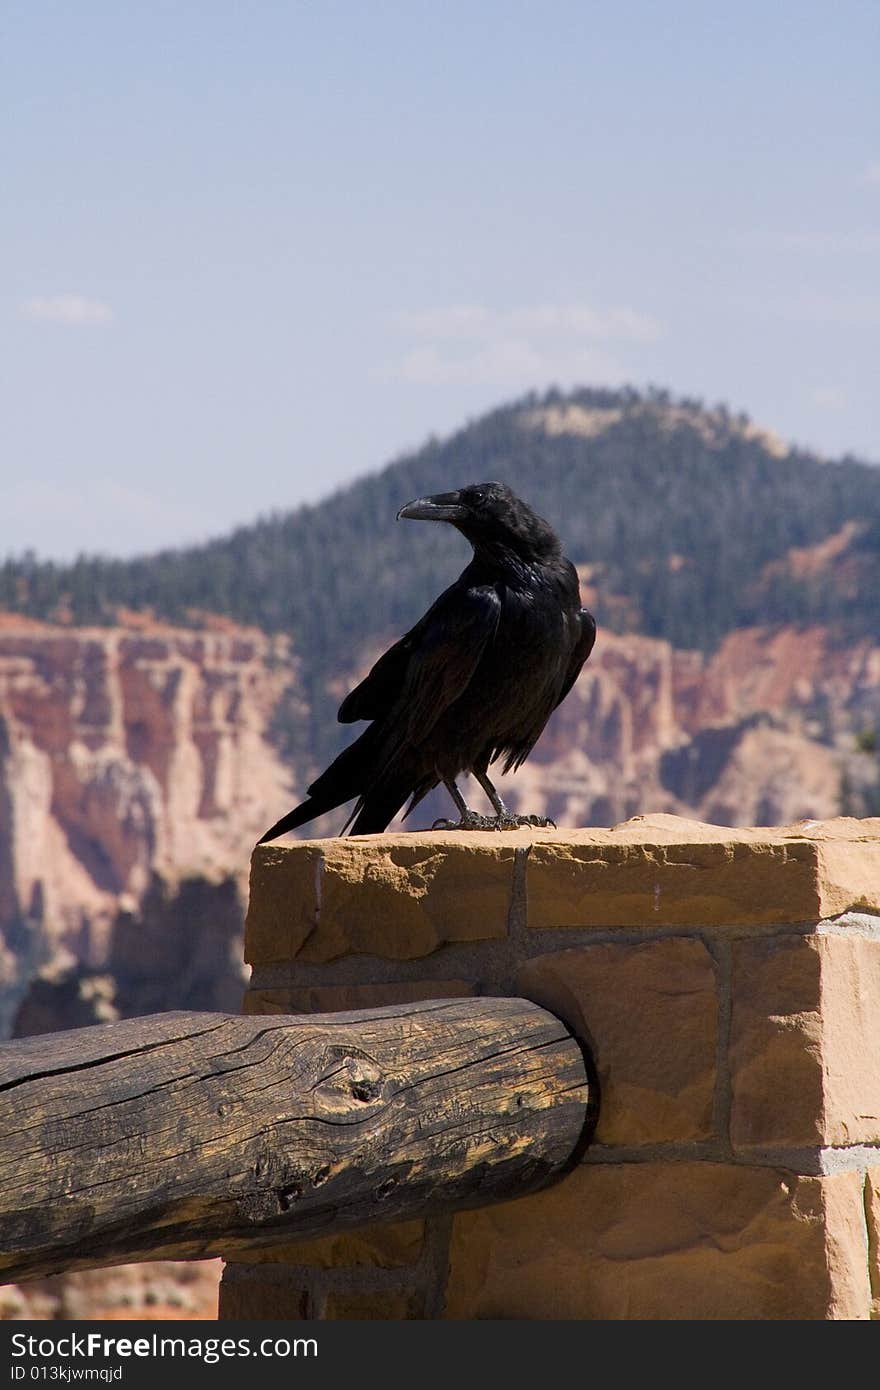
(377, 808)
(307, 810)
(344, 778)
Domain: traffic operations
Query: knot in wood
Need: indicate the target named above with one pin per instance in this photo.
(351, 1075)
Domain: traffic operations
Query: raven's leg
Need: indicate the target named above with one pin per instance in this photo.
(505, 820)
(470, 820)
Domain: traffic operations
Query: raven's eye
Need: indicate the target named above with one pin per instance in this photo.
(477, 496)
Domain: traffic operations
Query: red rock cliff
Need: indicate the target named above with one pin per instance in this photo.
(137, 770)
(128, 757)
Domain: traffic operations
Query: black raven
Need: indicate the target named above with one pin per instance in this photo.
(476, 679)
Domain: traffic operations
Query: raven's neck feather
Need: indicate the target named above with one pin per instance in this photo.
(495, 561)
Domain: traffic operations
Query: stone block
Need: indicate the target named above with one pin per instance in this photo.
(777, 1086)
(849, 865)
(719, 883)
(647, 1241)
(397, 1305)
(665, 871)
(388, 1246)
(851, 1039)
(649, 1014)
(805, 1043)
(396, 896)
(265, 1299)
(282, 906)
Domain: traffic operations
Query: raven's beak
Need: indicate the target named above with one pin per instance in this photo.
(445, 506)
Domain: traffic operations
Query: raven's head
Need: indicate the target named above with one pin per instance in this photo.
(489, 515)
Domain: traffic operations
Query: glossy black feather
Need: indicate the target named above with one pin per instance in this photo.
(475, 679)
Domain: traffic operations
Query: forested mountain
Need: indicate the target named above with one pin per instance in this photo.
(687, 523)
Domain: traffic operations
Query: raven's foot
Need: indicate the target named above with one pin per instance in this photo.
(471, 820)
(510, 822)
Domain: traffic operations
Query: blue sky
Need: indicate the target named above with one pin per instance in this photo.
(253, 251)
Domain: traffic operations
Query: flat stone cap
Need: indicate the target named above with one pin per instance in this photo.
(661, 828)
(405, 894)
(662, 870)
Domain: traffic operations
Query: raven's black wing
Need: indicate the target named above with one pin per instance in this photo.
(404, 695)
(421, 675)
(582, 649)
(584, 637)
(407, 693)
(379, 689)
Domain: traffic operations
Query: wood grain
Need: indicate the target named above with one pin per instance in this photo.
(185, 1135)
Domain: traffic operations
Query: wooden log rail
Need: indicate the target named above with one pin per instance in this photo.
(185, 1135)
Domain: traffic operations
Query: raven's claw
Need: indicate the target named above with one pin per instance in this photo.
(473, 821)
(470, 821)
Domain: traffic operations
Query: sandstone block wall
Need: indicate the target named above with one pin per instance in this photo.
(728, 985)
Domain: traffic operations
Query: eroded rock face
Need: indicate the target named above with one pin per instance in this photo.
(760, 733)
(131, 760)
(137, 763)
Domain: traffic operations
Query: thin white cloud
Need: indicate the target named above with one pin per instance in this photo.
(535, 345)
(456, 321)
(71, 310)
(871, 174)
(474, 321)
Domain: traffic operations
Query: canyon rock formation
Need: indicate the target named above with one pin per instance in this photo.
(138, 765)
(136, 771)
